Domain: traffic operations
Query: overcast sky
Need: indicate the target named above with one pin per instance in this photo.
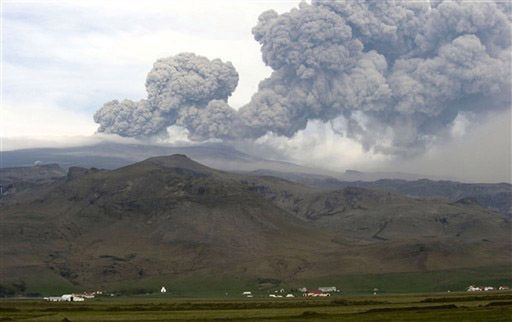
(61, 60)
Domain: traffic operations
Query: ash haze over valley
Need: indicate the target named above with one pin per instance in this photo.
(219, 146)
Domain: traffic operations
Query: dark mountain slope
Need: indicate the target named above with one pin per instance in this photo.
(13, 180)
(162, 216)
(363, 214)
(170, 217)
(494, 196)
(110, 155)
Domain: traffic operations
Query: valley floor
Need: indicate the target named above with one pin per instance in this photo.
(492, 306)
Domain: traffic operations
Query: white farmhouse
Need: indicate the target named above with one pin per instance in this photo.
(65, 298)
(472, 288)
(71, 298)
(54, 299)
(327, 289)
(316, 293)
(163, 290)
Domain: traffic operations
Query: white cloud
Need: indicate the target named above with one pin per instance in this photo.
(42, 122)
(317, 146)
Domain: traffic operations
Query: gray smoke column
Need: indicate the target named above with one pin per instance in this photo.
(393, 75)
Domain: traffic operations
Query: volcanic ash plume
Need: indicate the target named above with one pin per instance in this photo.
(175, 85)
(393, 75)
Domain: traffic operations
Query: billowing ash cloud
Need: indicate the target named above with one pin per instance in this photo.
(217, 120)
(174, 85)
(393, 75)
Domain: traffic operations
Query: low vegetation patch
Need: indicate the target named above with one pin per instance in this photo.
(363, 302)
(486, 297)
(361, 308)
(413, 308)
(501, 303)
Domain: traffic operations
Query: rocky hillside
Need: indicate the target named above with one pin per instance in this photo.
(493, 196)
(170, 217)
(18, 179)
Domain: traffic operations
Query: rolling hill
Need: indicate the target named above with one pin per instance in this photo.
(170, 219)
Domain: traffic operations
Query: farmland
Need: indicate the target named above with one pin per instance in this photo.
(492, 306)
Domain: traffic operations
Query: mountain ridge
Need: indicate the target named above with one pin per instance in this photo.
(171, 216)
(111, 155)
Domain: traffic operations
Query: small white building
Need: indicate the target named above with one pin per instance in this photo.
(53, 299)
(327, 289)
(85, 295)
(246, 293)
(472, 288)
(71, 298)
(316, 293)
(65, 298)
(290, 295)
(488, 288)
(503, 288)
(163, 290)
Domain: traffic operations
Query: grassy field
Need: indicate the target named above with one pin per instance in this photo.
(490, 306)
(203, 285)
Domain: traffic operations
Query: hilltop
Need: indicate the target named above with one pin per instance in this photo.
(172, 219)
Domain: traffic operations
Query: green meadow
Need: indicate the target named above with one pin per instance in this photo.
(453, 306)
(204, 286)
